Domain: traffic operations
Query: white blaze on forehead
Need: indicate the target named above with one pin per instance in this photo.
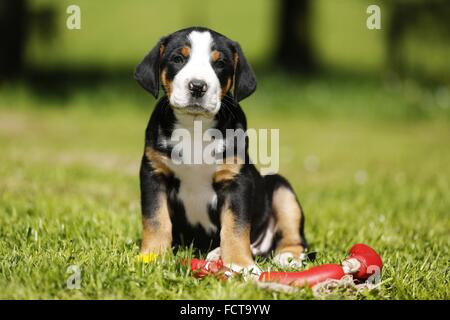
(201, 43)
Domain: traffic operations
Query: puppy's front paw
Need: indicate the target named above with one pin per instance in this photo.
(287, 259)
(250, 271)
(213, 255)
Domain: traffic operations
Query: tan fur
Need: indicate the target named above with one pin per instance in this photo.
(288, 216)
(166, 83)
(158, 161)
(234, 241)
(185, 51)
(235, 63)
(228, 170)
(157, 231)
(161, 50)
(215, 55)
(226, 88)
(235, 60)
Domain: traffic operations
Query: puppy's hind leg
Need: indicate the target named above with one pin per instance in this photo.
(289, 219)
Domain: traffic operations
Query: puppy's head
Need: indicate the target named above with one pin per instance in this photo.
(197, 67)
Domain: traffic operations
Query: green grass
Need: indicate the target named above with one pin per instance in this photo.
(369, 161)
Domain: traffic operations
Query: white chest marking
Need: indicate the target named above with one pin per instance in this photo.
(196, 191)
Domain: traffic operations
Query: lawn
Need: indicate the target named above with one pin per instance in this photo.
(369, 161)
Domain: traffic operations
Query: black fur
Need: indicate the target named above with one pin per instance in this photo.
(249, 193)
(147, 72)
(245, 79)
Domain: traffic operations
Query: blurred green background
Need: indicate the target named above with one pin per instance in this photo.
(364, 137)
(302, 47)
(118, 33)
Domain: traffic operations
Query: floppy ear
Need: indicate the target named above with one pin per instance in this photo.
(244, 77)
(147, 72)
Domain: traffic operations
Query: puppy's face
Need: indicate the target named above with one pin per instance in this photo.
(196, 71)
(197, 67)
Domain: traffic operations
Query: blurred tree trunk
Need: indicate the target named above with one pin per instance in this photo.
(294, 50)
(394, 36)
(13, 19)
(409, 16)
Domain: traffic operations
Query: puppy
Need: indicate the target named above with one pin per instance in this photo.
(223, 204)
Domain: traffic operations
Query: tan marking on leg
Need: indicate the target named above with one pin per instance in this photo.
(215, 55)
(185, 51)
(234, 241)
(158, 161)
(288, 216)
(228, 170)
(157, 230)
(166, 83)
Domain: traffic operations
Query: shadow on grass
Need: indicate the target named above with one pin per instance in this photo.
(61, 83)
(327, 93)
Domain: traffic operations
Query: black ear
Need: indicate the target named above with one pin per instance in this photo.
(244, 78)
(147, 72)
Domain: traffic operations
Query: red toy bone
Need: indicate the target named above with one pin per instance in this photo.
(362, 262)
(202, 268)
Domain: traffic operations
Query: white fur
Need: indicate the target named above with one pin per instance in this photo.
(287, 259)
(196, 192)
(263, 244)
(248, 271)
(213, 255)
(198, 67)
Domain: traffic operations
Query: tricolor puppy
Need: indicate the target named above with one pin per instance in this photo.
(225, 205)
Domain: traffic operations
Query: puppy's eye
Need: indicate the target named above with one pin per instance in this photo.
(219, 64)
(178, 59)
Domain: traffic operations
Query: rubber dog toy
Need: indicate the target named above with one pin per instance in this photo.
(361, 263)
(202, 268)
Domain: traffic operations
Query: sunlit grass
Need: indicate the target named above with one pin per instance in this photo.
(369, 163)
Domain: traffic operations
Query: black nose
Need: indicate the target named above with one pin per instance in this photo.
(197, 88)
